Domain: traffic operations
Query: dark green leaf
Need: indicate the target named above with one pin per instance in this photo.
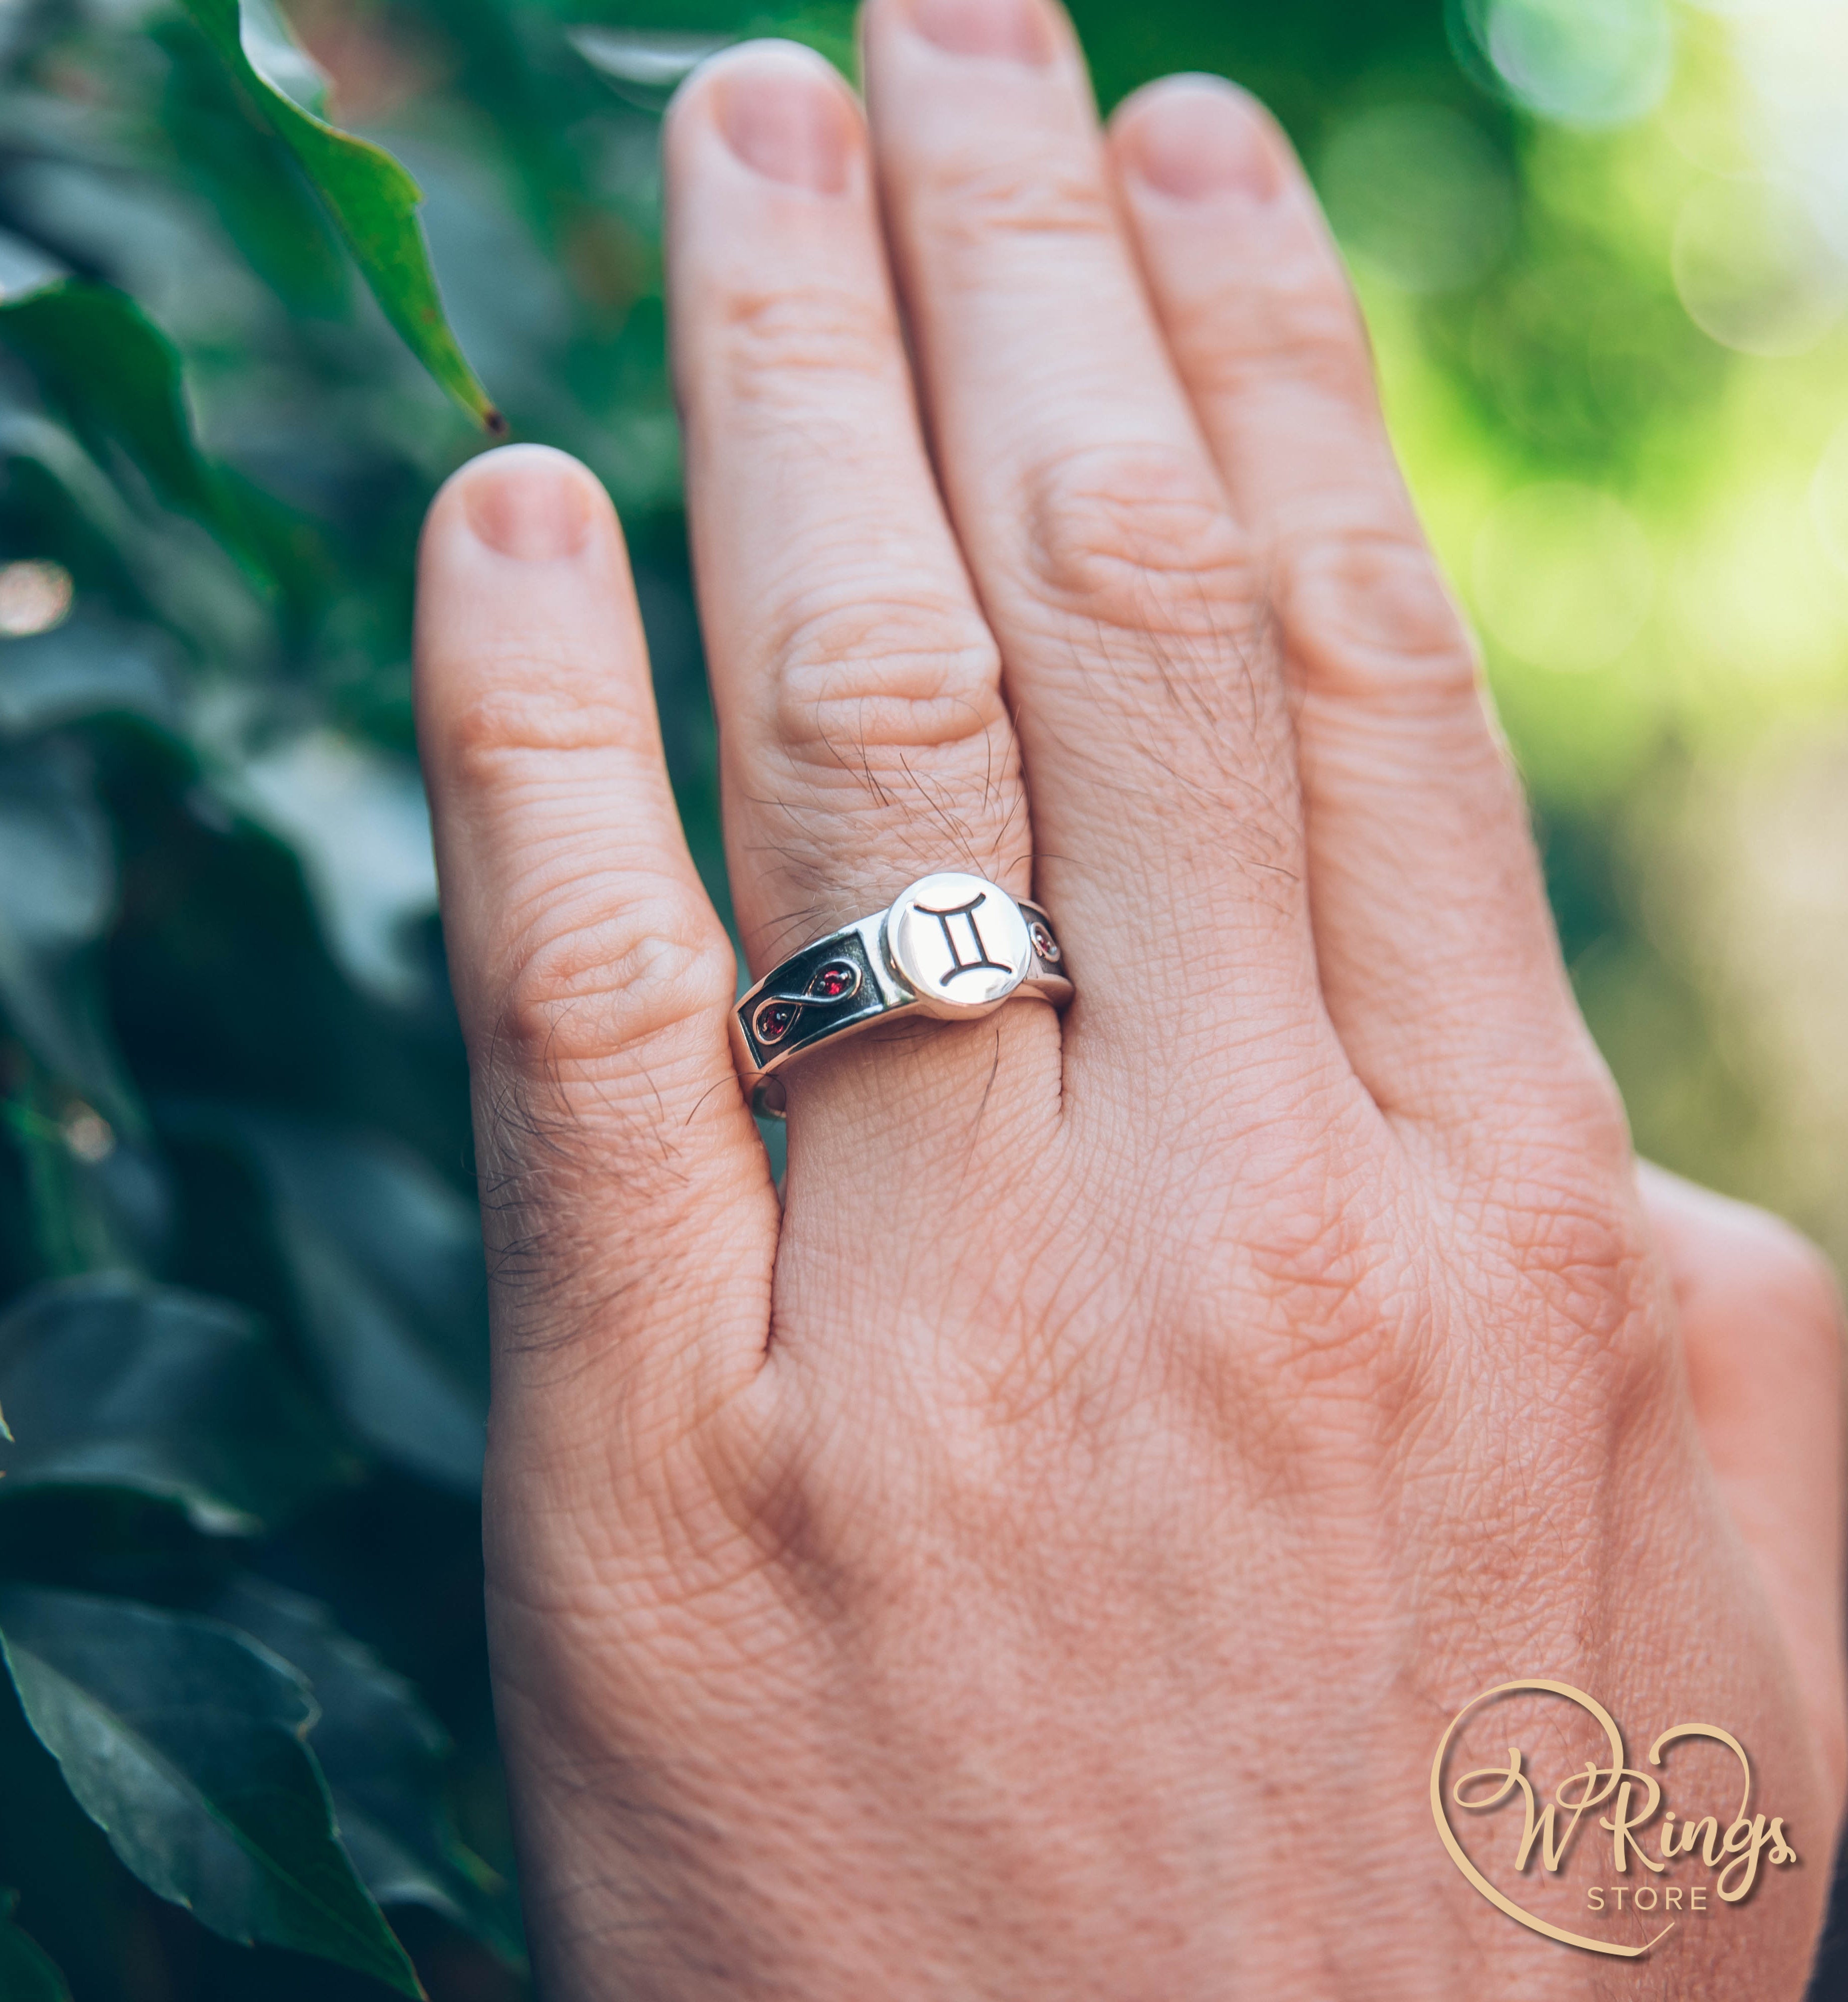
(106, 365)
(359, 824)
(385, 1262)
(253, 180)
(184, 1742)
(90, 666)
(110, 1382)
(58, 861)
(384, 1756)
(374, 205)
(78, 512)
(27, 1973)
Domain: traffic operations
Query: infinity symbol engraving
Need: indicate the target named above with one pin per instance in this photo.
(776, 1015)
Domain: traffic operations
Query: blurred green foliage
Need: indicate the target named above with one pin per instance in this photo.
(246, 1745)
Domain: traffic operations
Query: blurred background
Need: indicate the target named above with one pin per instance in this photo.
(1602, 246)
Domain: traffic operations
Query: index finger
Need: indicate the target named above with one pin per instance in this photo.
(593, 977)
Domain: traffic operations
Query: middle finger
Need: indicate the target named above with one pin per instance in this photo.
(1118, 583)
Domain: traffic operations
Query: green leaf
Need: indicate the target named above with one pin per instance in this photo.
(384, 1756)
(112, 370)
(58, 861)
(373, 201)
(385, 1261)
(113, 1382)
(184, 1741)
(358, 822)
(78, 513)
(27, 1973)
(92, 664)
(256, 183)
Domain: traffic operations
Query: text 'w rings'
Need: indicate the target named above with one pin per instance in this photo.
(952, 946)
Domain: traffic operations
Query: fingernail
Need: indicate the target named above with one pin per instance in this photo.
(786, 120)
(1017, 30)
(1197, 138)
(528, 502)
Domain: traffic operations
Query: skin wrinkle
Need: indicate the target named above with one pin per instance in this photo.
(1124, 538)
(1302, 332)
(1429, 664)
(905, 723)
(501, 727)
(805, 866)
(525, 1155)
(968, 204)
(575, 991)
(864, 574)
(1231, 794)
(1105, 675)
(769, 341)
(922, 797)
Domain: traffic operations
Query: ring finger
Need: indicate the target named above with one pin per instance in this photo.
(864, 742)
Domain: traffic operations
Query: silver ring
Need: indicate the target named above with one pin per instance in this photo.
(952, 946)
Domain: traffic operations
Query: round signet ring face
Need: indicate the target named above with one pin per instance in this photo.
(960, 943)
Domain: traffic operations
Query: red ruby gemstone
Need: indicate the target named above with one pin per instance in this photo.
(835, 982)
(773, 1023)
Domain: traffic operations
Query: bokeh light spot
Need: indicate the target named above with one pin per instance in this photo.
(1564, 576)
(34, 597)
(1417, 192)
(1593, 63)
(1753, 270)
(88, 1135)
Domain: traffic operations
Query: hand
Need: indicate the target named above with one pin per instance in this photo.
(1039, 1557)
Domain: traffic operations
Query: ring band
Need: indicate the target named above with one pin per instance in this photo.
(952, 946)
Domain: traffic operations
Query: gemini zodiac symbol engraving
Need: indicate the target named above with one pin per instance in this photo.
(958, 965)
(777, 1014)
(959, 942)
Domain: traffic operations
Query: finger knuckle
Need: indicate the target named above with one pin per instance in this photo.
(1299, 324)
(887, 735)
(1338, 1280)
(628, 985)
(535, 713)
(1367, 620)
(1584, 1261)
(1137, 540)
(971, 199)
(861, 675)
(776, 342)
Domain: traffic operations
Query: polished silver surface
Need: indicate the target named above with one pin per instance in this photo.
(952, 945)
